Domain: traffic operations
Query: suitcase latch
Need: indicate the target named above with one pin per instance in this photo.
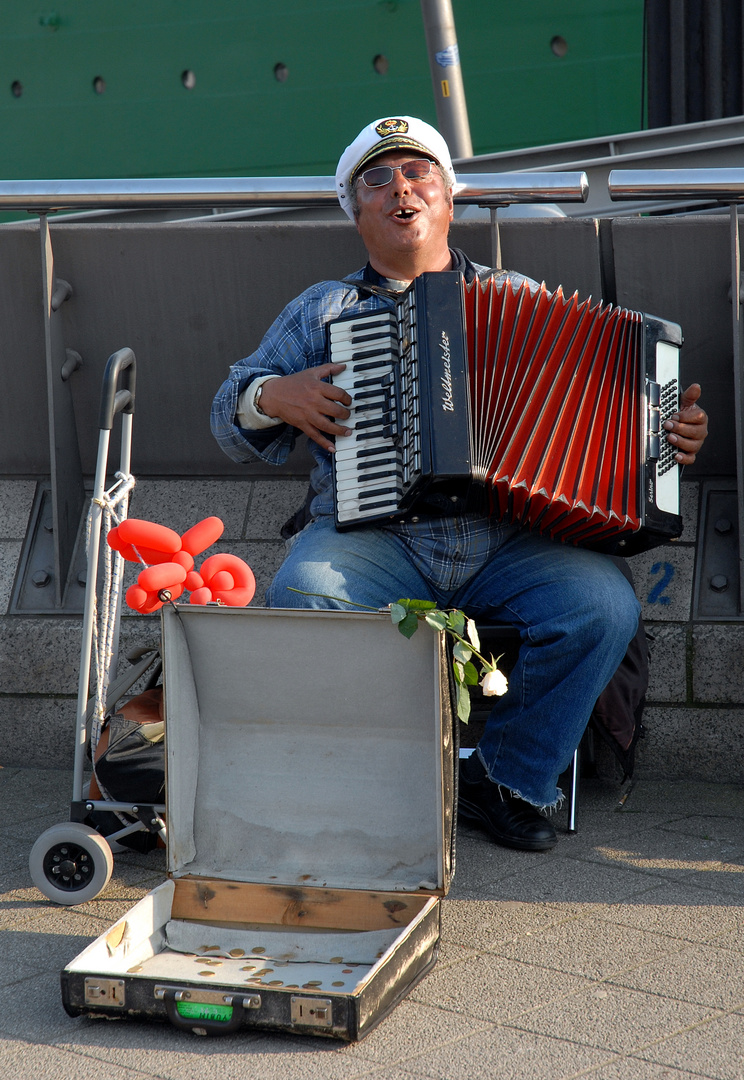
(311, 1012)
(105, 992)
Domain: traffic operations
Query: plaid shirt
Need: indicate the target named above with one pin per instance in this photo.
(447, 541)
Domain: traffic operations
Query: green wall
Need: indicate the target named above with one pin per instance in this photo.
(239, 119)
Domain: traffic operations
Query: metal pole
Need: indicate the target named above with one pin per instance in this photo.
(573, 795)
(495, 238)
(91, 584)
(446, 76)
(65, 467)
(738, 333)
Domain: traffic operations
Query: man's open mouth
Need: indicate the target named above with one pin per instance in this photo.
(405, 213)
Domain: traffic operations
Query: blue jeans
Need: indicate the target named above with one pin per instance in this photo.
(575, 611)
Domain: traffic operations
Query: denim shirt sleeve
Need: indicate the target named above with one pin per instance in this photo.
(295, 341)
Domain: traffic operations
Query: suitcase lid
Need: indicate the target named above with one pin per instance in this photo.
(307, 748)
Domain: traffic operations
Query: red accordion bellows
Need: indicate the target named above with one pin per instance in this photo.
(554, 396)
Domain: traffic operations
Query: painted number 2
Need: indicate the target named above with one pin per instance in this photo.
(658, 592)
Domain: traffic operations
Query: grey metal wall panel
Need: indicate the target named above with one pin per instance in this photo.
(191, 298)
(24, 437)
(680, 269)
(558, 251)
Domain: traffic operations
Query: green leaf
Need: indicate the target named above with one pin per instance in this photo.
(461, 652)
(459, 673)
(409, 625)
(470, 674)
(437, 619)
(473, 638)
(456, 621)
(397, 613)
(463, 703)
(418, 605)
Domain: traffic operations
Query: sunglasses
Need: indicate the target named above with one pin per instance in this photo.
(380, 175)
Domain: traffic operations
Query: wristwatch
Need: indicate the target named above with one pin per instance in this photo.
(257, 399)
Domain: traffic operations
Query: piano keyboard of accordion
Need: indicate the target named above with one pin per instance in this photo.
(536, 408)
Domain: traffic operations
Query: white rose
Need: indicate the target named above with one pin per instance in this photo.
(494, 683)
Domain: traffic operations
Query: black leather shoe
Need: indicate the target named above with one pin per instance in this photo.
(508, 820)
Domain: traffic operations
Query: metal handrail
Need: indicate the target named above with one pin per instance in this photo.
(719, 185)
(482, 189)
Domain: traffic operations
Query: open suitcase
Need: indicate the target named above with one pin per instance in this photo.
(310, 776)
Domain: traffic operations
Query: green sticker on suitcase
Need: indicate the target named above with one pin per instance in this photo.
(202, 1010)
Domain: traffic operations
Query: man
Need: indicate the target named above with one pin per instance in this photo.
(575, 609)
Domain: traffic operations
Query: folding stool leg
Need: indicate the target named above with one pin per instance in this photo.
(573, 792)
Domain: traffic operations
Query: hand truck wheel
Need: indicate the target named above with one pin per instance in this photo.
(71, 863)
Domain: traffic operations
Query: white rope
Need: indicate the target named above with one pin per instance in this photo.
(103, 635)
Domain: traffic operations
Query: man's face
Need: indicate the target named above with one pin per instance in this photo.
(405, 216)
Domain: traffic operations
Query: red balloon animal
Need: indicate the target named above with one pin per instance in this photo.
(169, 568)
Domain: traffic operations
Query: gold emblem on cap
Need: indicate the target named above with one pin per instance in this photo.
(391, 127)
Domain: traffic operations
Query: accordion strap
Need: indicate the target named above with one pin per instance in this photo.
(368, 287)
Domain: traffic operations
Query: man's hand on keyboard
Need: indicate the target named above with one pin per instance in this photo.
(306, 402)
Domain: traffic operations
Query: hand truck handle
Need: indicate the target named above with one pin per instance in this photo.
(120, 363)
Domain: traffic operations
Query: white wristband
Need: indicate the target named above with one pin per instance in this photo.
(247, 414)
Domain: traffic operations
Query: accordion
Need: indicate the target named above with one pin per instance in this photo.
(523, 404)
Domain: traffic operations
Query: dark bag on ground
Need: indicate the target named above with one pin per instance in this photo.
(132, 768)
(130, 763)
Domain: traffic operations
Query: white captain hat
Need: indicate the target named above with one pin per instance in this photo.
(389, 133)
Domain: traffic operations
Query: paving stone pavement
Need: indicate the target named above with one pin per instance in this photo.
(620, 954)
